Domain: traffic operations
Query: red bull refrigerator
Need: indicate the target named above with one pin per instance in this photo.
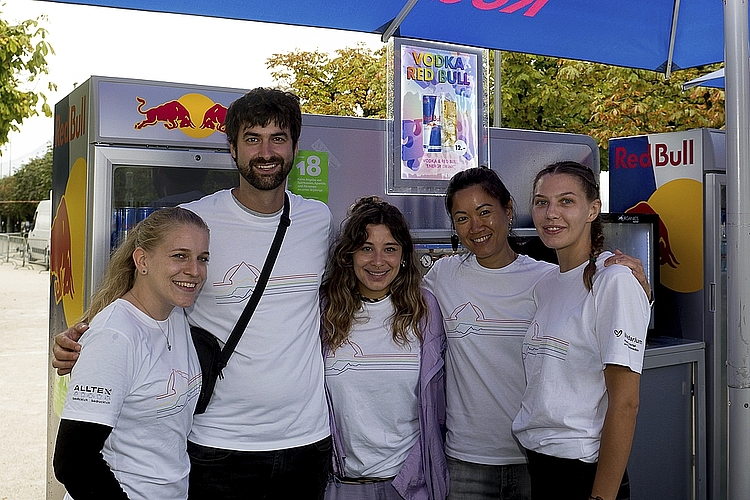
(122, 148)
(681, 177)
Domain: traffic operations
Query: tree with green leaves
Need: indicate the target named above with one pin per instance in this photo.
(20, 193)
(23, 53)
(353, 83)
(559, 95)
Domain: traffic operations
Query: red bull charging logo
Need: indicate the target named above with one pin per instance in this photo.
(506, 6)
(60, 264)
(179, 114)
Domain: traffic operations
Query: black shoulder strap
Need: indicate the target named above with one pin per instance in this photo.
(244, 319)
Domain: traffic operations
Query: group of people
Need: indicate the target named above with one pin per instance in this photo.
(495, 376)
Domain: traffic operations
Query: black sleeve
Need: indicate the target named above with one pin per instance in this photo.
(79, 463)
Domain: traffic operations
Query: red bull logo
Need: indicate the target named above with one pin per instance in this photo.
(214, 117)
(172, 113)
(178, 114)
(60, 260)
(666, 255)
(658, 155)
(534, 6)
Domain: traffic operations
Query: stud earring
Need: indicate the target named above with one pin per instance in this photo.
(144, 271)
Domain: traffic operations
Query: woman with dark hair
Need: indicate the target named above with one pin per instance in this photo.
(383, 344)
(583, 352)
(129, 408)
(486, 298)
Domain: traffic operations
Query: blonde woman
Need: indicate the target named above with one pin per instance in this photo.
(132, 392)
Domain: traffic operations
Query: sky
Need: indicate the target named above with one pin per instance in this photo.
(150, 46)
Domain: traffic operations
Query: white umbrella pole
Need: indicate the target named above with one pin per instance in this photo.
(737, 78)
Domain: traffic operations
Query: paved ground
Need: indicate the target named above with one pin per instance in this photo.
(23, 385)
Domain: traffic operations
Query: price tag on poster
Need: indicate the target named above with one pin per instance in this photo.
(309, 175)
(439, 122)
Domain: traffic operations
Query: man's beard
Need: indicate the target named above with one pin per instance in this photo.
(266, 182)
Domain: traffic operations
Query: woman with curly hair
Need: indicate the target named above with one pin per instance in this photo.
(383, 344)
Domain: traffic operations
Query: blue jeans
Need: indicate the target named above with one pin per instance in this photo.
(470, 481)
(299, 473)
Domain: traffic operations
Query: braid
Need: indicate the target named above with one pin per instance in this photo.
(597, 247)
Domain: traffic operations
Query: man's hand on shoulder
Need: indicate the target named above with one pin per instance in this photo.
(66, 348)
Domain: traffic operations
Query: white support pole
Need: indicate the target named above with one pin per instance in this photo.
(737, 108)
(497, 118)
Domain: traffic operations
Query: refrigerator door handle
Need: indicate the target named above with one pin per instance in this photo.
(712, 298)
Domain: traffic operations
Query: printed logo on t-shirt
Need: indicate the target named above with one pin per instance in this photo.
(542, 345)
(350, 356)
(239, 282)
(92, 394)
(632, 343)
(180, 389)
(468, 319)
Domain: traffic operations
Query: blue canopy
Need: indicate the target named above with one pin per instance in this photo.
(643, 34)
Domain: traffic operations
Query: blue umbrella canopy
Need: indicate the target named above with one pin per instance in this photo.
(661, 36)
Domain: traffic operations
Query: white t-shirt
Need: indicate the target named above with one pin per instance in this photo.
(575, 333)
(486, 314)
(127, 379)
(373, 385)
(271, 396)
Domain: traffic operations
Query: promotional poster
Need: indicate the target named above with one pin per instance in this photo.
(439, 106)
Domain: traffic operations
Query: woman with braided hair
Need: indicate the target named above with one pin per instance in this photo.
(583, 353)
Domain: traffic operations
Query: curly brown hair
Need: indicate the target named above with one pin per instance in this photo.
(342, 301)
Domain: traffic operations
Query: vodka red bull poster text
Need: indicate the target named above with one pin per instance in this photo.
(663, 174)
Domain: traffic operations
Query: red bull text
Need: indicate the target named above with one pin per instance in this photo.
(658, 155)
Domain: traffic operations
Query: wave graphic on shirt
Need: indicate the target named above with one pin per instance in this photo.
(351, 357)
(239, 282)
(541, 345)
(468, 319)
(179, 390)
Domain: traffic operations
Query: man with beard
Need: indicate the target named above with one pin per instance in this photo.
(265, 433)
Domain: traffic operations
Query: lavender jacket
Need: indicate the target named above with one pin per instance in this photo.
(424, 474)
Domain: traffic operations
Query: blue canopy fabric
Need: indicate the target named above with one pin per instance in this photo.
(630, 33)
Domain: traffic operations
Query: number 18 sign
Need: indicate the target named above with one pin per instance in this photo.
(309, 175)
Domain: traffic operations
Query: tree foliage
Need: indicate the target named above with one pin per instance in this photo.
(23, 53)
(543, 93)
(538, 93)
(353, 83)
(32, 183)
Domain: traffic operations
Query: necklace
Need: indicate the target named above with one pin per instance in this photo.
(158, 323)
(372, 301)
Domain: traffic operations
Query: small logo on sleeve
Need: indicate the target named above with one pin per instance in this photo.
(92, 394)
(629, 341)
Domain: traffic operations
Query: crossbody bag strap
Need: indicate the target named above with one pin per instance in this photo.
(273, 252)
